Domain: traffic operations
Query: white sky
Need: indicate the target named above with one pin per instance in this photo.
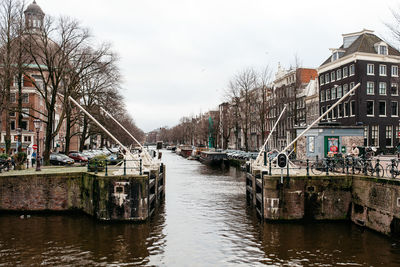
(177, 56)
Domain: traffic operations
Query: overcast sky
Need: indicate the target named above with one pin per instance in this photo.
(177, 56)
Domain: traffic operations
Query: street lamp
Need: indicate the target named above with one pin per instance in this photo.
(38, 125)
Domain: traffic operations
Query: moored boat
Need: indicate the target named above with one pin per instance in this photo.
(185, 150)
(213, 157)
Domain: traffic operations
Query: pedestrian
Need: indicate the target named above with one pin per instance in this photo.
(33, 158)
(354, 151)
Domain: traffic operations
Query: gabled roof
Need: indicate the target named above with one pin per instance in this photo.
(364, 43)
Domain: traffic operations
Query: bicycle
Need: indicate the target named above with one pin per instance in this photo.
(322, 166)
(392, 169)
(378, 168)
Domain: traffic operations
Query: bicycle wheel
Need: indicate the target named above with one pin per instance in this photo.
(392, 172)
(379, 170)
(338, 167)
(317, 168)
(358, 167)
(370, 169)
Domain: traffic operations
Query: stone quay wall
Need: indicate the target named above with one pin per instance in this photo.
(103, 197)
(367, 201)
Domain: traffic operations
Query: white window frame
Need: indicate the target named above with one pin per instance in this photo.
(375, 129)
(397, 109)
(333, 75)
(366, 134)
(345, 72)
(339, 89)
(389, 132)
(327, 78)
(352, 70)
(322, 96)
(382, 70)
(373, 108)
(338, 74)
(370, 69)
(397, 89)
(340, 107)
(379, 108)
(352, 111)
(333, 93)
(386, 49)
(395, 71)
(379, 89)
(351, 85)
(322, 80)
(373, 88)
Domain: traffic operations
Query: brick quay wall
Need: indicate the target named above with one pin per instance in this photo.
(367, 201)
(106, 198)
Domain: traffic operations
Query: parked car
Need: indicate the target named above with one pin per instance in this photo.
(113, 159)
(78, 157)
(88, 154)
(60, 159)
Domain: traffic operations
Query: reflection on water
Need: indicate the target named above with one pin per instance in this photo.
(205, 221)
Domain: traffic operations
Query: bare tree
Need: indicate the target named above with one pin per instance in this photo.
(8, 22)
(261, 101)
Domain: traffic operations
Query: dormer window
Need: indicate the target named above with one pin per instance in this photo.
(383, 50)
(335, 56)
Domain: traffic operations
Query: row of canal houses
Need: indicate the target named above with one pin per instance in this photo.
(362, 58)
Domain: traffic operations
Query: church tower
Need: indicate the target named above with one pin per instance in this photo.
(34, 17)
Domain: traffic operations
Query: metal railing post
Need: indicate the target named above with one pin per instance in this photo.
(95, 166)
(308, 167)
(124, 167)
(140, 167)
(352, 165)
(270, 167)
(347, 165)
(88, 168)
(106, 168)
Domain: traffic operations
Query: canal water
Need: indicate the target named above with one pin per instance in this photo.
(205, 221)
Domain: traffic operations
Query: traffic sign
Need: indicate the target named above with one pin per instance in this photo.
(34, 146)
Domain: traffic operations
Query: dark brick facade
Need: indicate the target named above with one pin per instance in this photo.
(360, 98)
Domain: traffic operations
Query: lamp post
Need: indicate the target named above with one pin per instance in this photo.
(38, 124)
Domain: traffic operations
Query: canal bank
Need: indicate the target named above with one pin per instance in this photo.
(205, 221)
(106, 198)
(367, 201)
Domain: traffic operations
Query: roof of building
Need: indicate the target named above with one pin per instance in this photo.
(365, 42)
(34, 8)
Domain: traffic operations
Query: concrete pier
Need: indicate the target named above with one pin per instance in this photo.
(367, 201)
(123, 198)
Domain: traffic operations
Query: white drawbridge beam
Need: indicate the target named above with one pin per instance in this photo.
(148, 160)
(259, 157)
(132, 161)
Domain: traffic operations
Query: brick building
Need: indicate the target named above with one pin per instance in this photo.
(32, 101)
(367, 59)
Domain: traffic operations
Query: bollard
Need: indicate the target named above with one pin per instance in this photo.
(140, 166)
(124, 167)
(270, 167)
(106, 167)
(308, 167)
(95, 166)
